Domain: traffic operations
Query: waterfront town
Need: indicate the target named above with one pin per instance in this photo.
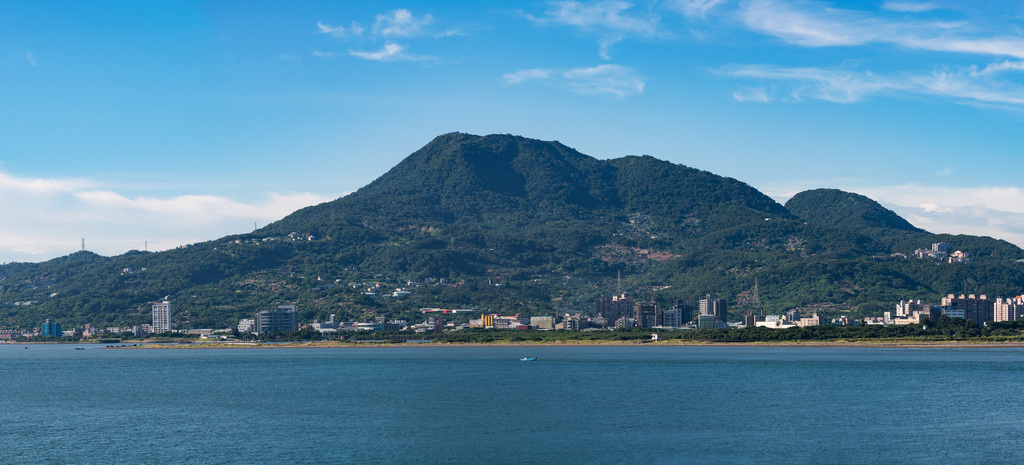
(617, 311)
(609, 313)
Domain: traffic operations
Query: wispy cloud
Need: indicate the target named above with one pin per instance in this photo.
(1007, 65)
(31, 57)
(752, 94)
(322, 54)
(909, 7)
(620, 81)
(818, 27)
(528, 74)
(693, 8)
(813, 24)
(453, 33)
(56, 213)
(391, 52)
(607, 15)
(608, 19)
(39, 186)
(842, 85)
(400, 23)
(340, 31)
(833, 85)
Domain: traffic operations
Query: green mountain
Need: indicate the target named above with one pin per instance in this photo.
(517, 225)
(834, 208)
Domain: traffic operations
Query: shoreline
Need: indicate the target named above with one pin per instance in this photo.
(809, 344)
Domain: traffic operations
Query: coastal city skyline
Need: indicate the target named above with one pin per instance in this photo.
(152, 126)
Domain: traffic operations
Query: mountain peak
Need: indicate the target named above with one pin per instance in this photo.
(835, 208)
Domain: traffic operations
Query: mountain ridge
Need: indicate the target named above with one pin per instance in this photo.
(549, 224)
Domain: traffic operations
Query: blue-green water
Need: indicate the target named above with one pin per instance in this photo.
(438, 405)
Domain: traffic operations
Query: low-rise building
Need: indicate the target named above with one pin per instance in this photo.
(574, 322)
(542, 322)
(247, 325)
(813, 320)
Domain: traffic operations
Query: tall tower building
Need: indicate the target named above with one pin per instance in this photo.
(50, 329)
(614, 308)
(162, 315)
(978, 309)
(716, 307)
(648, 315)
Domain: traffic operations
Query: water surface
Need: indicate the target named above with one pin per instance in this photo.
(575, 405)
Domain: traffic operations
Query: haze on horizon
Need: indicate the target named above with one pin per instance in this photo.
(155, 125)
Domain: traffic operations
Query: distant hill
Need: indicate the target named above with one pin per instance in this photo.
(834, 208)
(518, 225)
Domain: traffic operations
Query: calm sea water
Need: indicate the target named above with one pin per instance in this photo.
(438, 405)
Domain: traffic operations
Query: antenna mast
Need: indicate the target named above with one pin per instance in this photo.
(757, 298)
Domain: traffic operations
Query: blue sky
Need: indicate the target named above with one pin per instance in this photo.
(157, 124)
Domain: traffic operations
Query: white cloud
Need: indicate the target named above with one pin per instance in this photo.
(527, 74)
(604, 46)
(45, 218)
(396, 23)
(11, 184)
(1006, 65)
(813, 24)
(617, 80)
(609, 19)
(340, 31)
(614, 79)
(609, 14)
(31, 57)
(833, 85)
(453, 33)
(400, 23)
(822, 27)
(391, 52)
(752, 94)
(694, 8)
(909, 7)
(842, 85)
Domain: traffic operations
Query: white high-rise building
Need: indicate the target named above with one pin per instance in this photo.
(162, 316)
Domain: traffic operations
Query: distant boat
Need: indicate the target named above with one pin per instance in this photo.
(79, 348)
(528, 359)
